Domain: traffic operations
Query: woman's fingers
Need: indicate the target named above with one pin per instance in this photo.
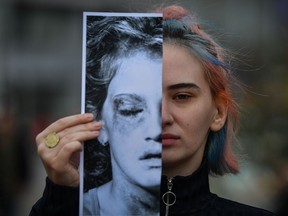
(80, 136)
(64, 123)
(81, 132)
(66, 165)
(67, 152)
(92, 126)
(61, 162)
(49, 153)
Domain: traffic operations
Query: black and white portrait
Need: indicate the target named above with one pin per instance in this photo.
(122, 87)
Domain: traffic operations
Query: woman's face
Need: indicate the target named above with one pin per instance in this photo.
(188, 112)
(132, 117)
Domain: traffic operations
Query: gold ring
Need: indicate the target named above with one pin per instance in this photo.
(52, 139)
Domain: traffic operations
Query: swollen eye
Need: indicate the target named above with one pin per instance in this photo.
(128, 105)
(130, 112)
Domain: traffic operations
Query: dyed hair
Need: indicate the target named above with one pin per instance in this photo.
(182, 29)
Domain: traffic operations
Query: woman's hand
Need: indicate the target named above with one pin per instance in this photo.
(61, 162)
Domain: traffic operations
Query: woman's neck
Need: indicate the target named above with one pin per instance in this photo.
(184, 168)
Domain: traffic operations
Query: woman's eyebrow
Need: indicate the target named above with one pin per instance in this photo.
(183, 85)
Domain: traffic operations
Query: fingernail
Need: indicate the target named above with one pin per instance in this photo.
(96, 124)
(88, 115)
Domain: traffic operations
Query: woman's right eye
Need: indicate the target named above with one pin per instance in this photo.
(182, 97)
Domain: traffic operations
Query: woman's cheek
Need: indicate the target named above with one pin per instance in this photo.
(125, 124)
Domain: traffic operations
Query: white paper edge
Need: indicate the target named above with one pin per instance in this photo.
(83, 90)
(106, 14)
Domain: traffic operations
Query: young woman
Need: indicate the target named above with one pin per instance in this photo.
(199, 117)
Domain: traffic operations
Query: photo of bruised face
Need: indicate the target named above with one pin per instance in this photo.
(122, 167)
(132, 118)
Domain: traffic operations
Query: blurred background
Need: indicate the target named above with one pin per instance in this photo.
(40, 81)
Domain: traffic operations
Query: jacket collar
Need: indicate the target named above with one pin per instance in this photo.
(192, 192)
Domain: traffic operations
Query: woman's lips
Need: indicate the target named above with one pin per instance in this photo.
(169, 139)
(152, 158)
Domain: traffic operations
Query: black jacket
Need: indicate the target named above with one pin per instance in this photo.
(193, 198)
(57, 201)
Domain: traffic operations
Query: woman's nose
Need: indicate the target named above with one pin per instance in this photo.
(154, 128)
(167, 118)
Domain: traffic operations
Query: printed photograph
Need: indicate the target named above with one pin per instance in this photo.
(122, 87)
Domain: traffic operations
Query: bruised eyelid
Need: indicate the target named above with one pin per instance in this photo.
(128, 99)
(129, 105)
